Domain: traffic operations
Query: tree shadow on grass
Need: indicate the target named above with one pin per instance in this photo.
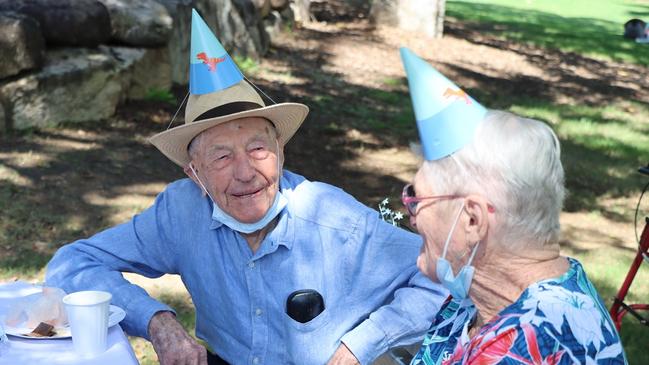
(49, 205)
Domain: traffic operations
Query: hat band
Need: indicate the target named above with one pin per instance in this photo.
(227, 109)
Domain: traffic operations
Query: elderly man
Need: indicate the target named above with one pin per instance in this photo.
(281, 270)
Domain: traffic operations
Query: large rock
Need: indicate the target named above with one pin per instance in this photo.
(21, 45)
(74, 85)
(143, 70)
(139, 22)
(421, 16)
(77, 85)
(66, 22)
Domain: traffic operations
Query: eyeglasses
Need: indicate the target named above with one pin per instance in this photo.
(410, 201)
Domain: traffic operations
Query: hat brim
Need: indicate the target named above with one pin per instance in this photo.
(173, 143)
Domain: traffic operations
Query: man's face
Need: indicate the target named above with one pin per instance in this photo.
(238, 163)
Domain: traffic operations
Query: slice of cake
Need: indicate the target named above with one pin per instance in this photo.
(43, 330)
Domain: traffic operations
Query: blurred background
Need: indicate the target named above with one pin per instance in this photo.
(84, 83)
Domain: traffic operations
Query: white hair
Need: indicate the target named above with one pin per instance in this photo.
(514, 163)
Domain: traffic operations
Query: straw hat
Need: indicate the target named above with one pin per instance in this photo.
(208, 110)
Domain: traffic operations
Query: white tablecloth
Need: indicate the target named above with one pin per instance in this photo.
(59, 351)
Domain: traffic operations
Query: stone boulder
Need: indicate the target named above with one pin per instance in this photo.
(143, 23)
(66, 22)
(80, 84)
(22, 46)
(143, 70)
(421, 16)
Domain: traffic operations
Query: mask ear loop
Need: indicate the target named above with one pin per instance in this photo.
(475, 249)
(191, 167)
(448, 239)
(279, 169)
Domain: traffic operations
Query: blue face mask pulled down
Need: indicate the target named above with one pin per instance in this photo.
(278, 205)
(458, 285)
(218, 214)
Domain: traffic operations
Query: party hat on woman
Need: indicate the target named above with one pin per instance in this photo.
(447, 117)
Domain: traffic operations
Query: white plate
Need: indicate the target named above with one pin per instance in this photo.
(115, 315)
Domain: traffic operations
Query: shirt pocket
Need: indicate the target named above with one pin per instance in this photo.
(310, 326)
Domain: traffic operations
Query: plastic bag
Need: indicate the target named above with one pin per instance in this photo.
(46, 306)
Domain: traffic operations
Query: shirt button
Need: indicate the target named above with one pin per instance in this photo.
(258, 312)
(251, 264)
(255, 360)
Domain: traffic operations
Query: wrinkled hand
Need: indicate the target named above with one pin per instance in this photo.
(343, 356)
(172, 343)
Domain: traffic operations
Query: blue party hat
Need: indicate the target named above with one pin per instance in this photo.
(446, 116)
(210, 67)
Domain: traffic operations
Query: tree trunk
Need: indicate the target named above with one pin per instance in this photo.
(422, 16)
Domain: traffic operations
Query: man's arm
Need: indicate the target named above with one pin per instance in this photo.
(140, 245)
(390, 254)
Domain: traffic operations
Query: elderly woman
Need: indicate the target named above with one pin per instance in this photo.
(487, 205)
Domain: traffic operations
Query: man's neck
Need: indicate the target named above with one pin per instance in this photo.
(255, 239)
(503, 277)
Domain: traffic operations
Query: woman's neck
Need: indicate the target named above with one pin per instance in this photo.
(501, 277)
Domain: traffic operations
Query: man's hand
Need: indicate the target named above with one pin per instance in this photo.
(343, 356)
(172, 343)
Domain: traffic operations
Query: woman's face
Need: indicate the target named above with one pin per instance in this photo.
(433, 220)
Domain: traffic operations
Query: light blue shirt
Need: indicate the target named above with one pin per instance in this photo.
(375, 298)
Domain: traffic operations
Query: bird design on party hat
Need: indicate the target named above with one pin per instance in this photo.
(447, 117)
(210, 67)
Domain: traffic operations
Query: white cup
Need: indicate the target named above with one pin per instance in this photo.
(88, 317)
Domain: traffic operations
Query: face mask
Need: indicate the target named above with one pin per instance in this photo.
(458, 285)
(218, 214)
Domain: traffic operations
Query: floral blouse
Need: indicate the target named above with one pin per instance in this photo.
(554, 321)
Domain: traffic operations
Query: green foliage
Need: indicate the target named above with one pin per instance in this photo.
(160, 95)
(247, 65)
(592, 28)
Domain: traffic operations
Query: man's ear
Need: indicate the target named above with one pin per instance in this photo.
(188, 171)
(192, 175)
(477, 208)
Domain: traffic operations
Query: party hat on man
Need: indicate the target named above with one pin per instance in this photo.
(210, 67)
(446, 116)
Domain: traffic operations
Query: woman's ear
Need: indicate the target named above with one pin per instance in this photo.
(477, 208)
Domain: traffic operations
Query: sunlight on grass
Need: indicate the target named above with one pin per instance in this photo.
(592, 28)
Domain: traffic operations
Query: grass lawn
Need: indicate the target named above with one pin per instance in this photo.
(592, 28)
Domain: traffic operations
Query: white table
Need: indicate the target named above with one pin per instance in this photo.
(57, 351)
